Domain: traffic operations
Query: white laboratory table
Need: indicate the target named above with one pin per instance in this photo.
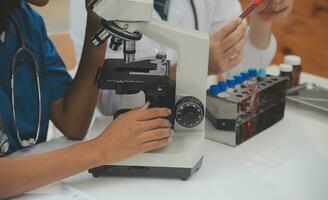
(289, 161)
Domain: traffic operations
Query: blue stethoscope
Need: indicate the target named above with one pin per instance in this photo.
(4, 141)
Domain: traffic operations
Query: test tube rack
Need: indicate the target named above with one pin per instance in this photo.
(237, 118)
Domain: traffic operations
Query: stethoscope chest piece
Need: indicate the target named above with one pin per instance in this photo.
(28, 143)
(4, 144)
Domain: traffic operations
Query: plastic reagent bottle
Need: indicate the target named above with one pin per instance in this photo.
(296, 62)
(231, 82)
(252, 74)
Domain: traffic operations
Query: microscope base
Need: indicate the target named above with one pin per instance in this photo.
(180, 159)
(136, 171)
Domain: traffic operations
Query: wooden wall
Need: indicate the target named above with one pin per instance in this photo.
(304, 33)
(65, 48)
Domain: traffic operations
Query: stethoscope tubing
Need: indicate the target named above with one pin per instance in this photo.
(194, 10)
(14, 66)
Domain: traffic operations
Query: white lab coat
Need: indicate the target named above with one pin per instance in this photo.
(212, 15)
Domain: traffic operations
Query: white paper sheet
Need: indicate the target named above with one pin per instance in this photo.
(58, 191)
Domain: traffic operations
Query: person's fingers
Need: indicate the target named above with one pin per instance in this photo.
(150, 113)
(234, 38)
(226, 30)
(157, 134)
(154, 124)
(289, 10)
(279, 15)
(280, 6)
(148, 146)
(264, 6)
(235, 50)
(276, 9)
(147, 104)
(236, 60)
(277, 1)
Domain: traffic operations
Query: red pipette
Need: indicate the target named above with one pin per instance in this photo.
(250, 8)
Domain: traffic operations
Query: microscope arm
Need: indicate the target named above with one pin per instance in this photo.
(189, 44)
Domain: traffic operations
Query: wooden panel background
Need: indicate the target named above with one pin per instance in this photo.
(304, 33)
(65, 48)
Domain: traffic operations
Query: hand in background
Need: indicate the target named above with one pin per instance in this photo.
(226, 46)
(272, 10)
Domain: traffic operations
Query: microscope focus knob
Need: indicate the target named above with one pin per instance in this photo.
(189, 112)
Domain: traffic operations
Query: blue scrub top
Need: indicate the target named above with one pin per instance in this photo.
(54, 78)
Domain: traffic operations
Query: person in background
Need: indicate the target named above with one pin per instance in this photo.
(68, 103)
(234, 46)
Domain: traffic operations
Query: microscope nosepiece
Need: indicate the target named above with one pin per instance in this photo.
(100, 37)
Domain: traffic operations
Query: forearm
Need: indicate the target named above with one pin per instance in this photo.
(23, 174)
(260, 32)
(79, 104)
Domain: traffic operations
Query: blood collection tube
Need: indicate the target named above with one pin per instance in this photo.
(215, 90)
(261, 74)
(244, 107)
(254, 89)
(252, 82)
(231, 85)
(245, 77)
(250, 8)
(253, 74)
(239, 81)
(252, 79)
(223, 87)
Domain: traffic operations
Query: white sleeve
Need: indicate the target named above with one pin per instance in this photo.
(255, 58)
(78, 17)
(259, 58)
